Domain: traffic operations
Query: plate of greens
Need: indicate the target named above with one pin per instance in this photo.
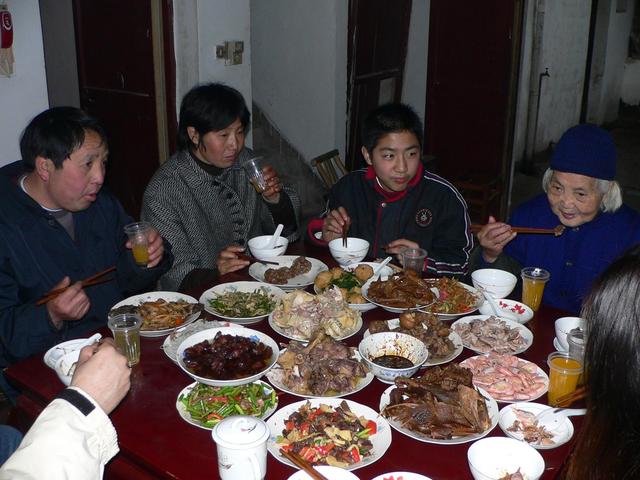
(205, 406)
(241, 302)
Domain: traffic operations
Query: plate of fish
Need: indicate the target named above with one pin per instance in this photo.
(519, 421)
(486, 333)
(292, 271)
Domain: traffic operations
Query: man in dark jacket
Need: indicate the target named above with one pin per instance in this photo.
(394, 203)
(58, 227)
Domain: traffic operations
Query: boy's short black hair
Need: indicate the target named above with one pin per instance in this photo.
(390, 118)
(209, 108)
(55, 134)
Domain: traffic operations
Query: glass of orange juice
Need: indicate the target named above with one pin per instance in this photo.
(137, 233)
(564, 372)
(533, 282)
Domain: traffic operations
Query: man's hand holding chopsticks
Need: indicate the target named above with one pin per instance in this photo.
(334, 224)
(72, 304)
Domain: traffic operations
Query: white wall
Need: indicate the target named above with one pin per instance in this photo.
(631, 82)
(24, 94)
(414, 88)
(299, 70)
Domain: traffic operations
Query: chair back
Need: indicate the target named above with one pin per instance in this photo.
(329, 167)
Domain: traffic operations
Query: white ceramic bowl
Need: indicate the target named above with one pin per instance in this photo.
(497, 283)
(401, 475)
(354, 252)
(520, 312)
(494, 457)
(391, 343)
(331, 473)
(237, 332)
(256, 246)
(65, 366)
(563, 326)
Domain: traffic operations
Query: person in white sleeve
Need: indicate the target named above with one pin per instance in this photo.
(73, 437)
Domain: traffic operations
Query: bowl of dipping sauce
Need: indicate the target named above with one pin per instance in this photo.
(390, 355)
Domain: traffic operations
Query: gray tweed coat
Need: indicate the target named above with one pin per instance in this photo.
(201, 214)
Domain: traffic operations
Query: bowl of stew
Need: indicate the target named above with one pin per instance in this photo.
(227, 356)
(390, 355)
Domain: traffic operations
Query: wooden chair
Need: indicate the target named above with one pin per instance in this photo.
(481, 194)
(330, 167)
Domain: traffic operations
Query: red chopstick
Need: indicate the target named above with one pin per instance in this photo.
(87, 282)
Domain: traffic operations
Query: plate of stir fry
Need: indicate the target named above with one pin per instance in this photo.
(454, 299)
(328, 431)
(241, 302)
(205, 406)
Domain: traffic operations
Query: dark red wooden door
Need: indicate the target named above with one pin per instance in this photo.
(472, 52)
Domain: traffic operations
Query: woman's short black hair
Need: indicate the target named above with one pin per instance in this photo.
(209, 108)
(390, 118)
(57, 133)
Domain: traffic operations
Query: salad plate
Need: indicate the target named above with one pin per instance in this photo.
(447, 297)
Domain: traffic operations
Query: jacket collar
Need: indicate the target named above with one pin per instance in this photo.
(370, 175)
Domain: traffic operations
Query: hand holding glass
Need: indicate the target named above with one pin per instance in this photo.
(137, 233)
(253, 168)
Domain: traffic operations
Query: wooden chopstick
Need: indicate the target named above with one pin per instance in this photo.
(303, 464)
(87, 282)
(569, 398)
(557, 231)
(241, 256)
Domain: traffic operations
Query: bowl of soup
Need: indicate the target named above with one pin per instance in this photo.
(390, 355)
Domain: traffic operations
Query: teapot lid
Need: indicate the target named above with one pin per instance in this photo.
(241, 431)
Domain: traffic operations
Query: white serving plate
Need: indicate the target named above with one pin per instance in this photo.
(182, 410)
(331, 473)
(539, 371)
(256, 270)
(285, 334)
(154, 296)
(526, 334)
(381, 440)
(492, 409)
(274, 376)
(431, 362)
(245, 287)
(443, 317)
(512, 307)
(561, 435)
(173, 341)
(365, 291)
(239, 332)
(401, 475)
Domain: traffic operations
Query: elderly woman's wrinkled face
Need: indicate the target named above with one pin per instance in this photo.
(574, 198)
(219, 148)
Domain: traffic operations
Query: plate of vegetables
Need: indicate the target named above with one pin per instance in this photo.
(350, 280)
(454, 299)
(241, 302)
(205, 406)
(329, 431)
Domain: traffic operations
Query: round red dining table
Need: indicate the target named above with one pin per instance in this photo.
(156, 443)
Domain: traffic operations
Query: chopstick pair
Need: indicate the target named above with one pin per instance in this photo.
(345, 231)
(556, 231)
(568, 399)
(303, 464)
(242, 256)
(87, 282)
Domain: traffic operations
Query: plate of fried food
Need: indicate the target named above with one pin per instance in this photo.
(292, 271)
(323, 367)
(442, 406)
(299, 314)
(350, 280)
(442, 343)
(241, 302)
(453, 298)
(399, 292)
(161, 312)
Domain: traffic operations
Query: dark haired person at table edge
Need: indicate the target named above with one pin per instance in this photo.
(201, 199)
(57, 227)
(581, 194)
(608, 445)
(395, 203)
(73, 438)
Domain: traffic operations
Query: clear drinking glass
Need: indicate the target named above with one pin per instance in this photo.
(137, 233)
(126, 334)
(253, 168)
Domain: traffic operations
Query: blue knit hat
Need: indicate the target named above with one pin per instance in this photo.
(586, 150)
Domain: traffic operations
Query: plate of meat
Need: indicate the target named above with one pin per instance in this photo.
(486, 333)
(470, 413)
(292, 271)
(399, 293)
(519, 421)
(507, 378)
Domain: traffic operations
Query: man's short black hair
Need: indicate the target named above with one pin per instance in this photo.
(209, 108)
(55, 134)
(390, 118)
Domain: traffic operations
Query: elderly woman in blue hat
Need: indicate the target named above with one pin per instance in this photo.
(580, 193)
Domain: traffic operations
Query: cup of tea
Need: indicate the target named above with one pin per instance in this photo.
(137, 233)
(533, 281)
(413, 259)
(125, 328)
(253, 169)
(241, 444)
(564, 373)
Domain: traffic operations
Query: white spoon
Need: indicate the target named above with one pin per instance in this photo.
(497, 311)
(381, 266)
(274, 238)
(551, 418)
